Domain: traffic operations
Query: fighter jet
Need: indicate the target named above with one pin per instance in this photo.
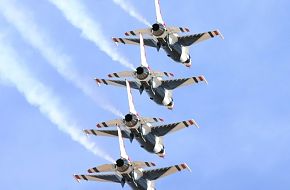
(149, 137)
(159, 90)
(167, 38)
(124, 171)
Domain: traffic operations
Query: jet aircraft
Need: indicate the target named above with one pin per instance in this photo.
(125, 171)
(167, 38)
(159, 90)
(149, 137)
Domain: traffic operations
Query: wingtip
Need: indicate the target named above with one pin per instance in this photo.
(98, 81)
(86, 132)
(204, 79)
(76, 177)
(90, 171)
(188, 167)
(185, 166)
(220, 34)
(193, 122)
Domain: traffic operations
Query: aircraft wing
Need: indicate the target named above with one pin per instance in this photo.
(188, 40)
(119, 83)
(135, 41)
(100, 178)
(172, 84)
(173, 127)
(163, 172)
(108, 133)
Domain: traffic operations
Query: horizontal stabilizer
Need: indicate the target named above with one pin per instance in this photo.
(125, 74)
(102, 168)
(151, 120)
(137, 164)
(148, 31)
(161, 74)
(173, 29)
(119, 83)
(99, 178)
(110, 123)
(121, 74)
(138, 31)
(107, 133)
(135, 41)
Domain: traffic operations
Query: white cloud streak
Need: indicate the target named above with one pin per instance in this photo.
(77, 14)
(40, 96)
(130, 9)
(33, 34)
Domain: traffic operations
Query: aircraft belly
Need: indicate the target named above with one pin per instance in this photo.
(140, 184)
(157, 95)
(173, 52)
(149, 142)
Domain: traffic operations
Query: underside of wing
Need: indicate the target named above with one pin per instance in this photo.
(188, 40)
(163, 172)
(135, 41)
(173, 127)
(99, 178)
(119, 83)
(108, 133)
(172, 84)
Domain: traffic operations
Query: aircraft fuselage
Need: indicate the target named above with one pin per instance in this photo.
(158, 94)
(149, 141)
(174, 49)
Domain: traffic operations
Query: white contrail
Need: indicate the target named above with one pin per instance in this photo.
(32, 33)
(77, 14)
(130, 9)
(37, 94)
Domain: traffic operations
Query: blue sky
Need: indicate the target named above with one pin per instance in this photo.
(243, 112)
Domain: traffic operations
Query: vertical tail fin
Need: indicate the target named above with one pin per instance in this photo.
(143, 53)
(130, 99)
(159, 18)
(123, 152)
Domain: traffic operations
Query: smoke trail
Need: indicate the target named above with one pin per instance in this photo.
(37, 94)
(75, 12)
(29, 30)
(129, 8)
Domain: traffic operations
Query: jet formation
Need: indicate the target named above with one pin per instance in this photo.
(149, 132)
